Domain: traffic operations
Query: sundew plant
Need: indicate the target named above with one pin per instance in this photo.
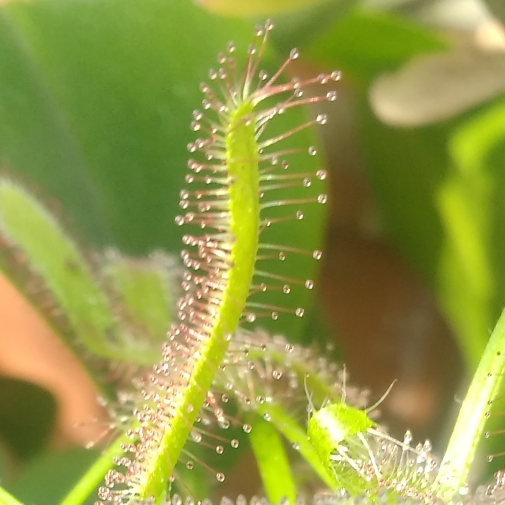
(194, 359)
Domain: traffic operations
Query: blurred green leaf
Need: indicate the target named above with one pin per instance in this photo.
(471, 207)
(46, 480)
(27, 416)
(118, 81)
(364, 44)
(258, 8)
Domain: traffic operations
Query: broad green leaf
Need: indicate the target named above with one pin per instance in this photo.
(471, 207)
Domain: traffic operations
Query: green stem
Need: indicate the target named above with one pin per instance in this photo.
(486, 383)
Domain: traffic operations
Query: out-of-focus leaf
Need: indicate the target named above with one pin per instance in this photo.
(471, 207)
(497, 7)
(301, 27)
(364, 44)
(436, 87)
(257, 8)
(46, 480)
(406, 167)
(120, 104)
(27, 416)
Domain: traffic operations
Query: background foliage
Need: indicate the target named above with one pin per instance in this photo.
(95, 104)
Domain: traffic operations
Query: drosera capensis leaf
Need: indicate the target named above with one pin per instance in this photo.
(146, 289)
(237, 171)
(28, 226)
(37, 248)
(452, 479)
(365, 460)
(269, 376)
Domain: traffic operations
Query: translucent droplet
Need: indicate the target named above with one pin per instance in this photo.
(331, 96)
(309, 284)
(321, 175)
(275, 316)
(294, 54)
(267, 417)
(321, 119)
(336, 75)
(307, 182)
(299, 312)
(317, 255)
(286, 289)
(234, 443)
(299, 215)
(312, 151)
(247, 428)
(219, 449)
(296, 446)
(277, 374)
(220, 477)
(190, 465)
(322, 198)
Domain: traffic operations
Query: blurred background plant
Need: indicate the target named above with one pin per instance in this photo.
(95, 104)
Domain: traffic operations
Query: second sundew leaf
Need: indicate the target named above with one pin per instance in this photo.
(145, 289)
(53, 260)
(236, 173)
(54, 257)
(452, 479)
